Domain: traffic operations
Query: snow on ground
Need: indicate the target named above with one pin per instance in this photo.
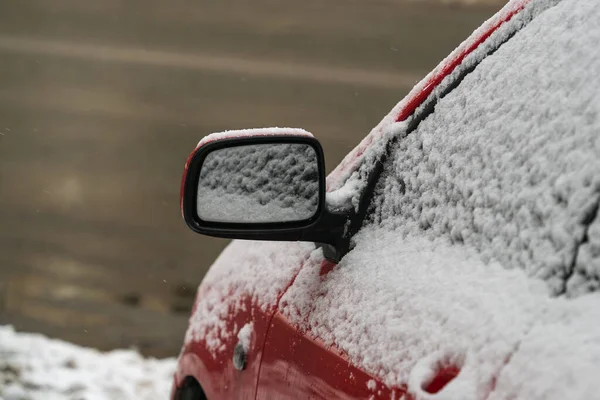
(34, 367)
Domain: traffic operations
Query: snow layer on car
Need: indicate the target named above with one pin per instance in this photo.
(239, 133)
(508, 162)
(401, 307)
(37, 368)
(559, 356)
(259, 271)
(586, 274)
(259, 183)
(397, 306)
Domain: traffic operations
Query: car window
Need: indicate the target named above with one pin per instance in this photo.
(508, 161)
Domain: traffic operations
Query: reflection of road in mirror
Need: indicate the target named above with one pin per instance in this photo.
(259, 184)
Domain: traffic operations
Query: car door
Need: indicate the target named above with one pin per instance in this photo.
(486, 194)
(298, 365)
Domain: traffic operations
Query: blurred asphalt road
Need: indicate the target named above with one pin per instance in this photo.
(101, 102)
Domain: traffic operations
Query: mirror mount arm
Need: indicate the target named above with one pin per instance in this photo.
(332, 234)
(332, 253)
(345, 224)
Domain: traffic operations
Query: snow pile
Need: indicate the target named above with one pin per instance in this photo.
(259, 183)
(508, 162)
(33, 367)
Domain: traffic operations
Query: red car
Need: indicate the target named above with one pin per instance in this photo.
(454, 254)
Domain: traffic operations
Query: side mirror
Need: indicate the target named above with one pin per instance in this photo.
(259, 184)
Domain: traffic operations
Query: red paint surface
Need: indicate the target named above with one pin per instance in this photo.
(442, 377)
(326, 267)
(295, 365)
(184, 177)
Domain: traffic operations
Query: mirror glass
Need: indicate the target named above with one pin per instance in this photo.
(259, 183)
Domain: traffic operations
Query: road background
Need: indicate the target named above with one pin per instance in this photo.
(102, 101)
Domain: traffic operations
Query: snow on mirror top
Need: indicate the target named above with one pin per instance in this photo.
(259, 183)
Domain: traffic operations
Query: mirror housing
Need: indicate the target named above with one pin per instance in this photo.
(323, 226)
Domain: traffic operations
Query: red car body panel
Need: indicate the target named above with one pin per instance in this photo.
(219, 378)
(284, 362)
(295, 365)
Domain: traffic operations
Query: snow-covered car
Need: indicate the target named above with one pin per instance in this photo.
(453, 254)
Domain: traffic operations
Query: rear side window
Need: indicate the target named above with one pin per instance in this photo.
(509, 161)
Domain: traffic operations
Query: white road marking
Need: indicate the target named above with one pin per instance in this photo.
(207, 62)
